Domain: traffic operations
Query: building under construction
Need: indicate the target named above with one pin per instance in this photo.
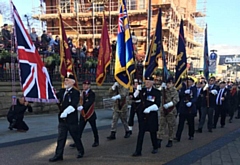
(83, 22)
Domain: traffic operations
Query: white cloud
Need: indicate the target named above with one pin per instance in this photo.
(225, 49)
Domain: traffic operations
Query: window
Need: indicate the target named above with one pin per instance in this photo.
(65, 6)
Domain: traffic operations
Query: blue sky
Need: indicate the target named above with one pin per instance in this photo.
(223, 22)
(222, 19)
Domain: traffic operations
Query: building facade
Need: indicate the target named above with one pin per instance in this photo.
(83, 22)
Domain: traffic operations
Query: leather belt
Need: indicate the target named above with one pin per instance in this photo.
(137, 101)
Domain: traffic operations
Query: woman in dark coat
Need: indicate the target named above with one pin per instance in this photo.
(233, 102)
(16, 114)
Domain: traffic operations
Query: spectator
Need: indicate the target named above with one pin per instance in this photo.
(44, 40)
(6, 37)
(16, 114)
(33, 35)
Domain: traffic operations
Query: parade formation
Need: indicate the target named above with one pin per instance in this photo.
(159, 101)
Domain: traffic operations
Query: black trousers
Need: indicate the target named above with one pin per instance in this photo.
(190, 119)
(220, 111)
(134, 107)
(19, 124)
(140, 138)
(63, 129)
(82, 125)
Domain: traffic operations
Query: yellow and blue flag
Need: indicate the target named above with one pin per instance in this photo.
(206, 57)
(156, 51)
(124, 64)
(181, 66)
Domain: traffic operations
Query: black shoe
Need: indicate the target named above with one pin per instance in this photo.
(177, 139)
(169, 143)
(154, 151)
(190, 138)
(222, 126)
(209, 130)
(127, 134)
(72, 145)
(80, 155)
(159, 143)
(199, 130)
(237, 117)
(10, 127)
(55, 158)
(135, 154)
(112, 136)
(230, 120)
(95, 144)
(130, 132)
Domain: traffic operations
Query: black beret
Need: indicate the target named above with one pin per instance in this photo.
(70, 76)
(170, 79)
(190, 78)
(87, 82)
(151, 78)
(222, 82)
(5, 25)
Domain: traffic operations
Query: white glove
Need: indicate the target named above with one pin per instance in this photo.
(63, 115)
(163, 85)
(116, 97)
(136, 93)
(139, 87)
(167, 105)
(153, 107)
(189, 104)
(67, 111)
(187, 91)
(205, 87)
(115, 85)
(214, 92)
(80, 108)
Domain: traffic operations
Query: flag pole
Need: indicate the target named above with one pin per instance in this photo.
(149, 24)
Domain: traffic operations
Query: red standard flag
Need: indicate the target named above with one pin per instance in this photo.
(66, 65)
(104, 54)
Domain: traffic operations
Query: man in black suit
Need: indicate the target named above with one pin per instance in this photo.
(221, 105)
(187, 109)
(208, 102)
(68, 118)
(87, 112)
(148, 115)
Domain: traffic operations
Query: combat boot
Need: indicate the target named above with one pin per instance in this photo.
(127, 134)
(169, 143)
(159, 143)
(112, 136)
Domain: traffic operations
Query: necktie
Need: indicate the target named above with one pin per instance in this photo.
(66, 91)
(219, 102)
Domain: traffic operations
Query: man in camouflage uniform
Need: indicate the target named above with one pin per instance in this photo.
(168, 111)
(119, 94)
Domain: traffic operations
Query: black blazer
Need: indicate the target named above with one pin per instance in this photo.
(149, 122)
(88, 101)
(70, 99)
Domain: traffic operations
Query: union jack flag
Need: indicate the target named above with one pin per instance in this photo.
(34, 77)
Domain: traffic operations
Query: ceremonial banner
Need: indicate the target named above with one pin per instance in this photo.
(206, 57)
(104, 54)
(124, 61)
(181, 66)
(34, 77)
(66, 64)
(156, 51)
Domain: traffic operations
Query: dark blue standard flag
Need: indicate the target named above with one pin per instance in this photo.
(206, 57)
(181, 66)
(156, 49)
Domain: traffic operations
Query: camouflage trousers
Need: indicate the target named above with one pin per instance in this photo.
(123, 118)
(170, 121)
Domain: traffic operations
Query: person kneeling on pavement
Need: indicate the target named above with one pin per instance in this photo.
(16, 114)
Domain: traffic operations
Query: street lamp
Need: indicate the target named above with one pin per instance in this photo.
(28, 24)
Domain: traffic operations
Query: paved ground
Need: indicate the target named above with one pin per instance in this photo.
(222, 147)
